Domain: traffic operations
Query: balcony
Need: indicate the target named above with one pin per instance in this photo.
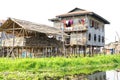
(80, 41)
(76, 28)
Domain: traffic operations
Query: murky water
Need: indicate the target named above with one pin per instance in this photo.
(108, 75)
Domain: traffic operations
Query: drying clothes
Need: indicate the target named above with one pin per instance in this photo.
(79, 21)
(64, 22)
(67, 22)
(83, 21)
(71, 22)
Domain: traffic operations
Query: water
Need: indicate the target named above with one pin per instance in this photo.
(108, 75)
(112, 75)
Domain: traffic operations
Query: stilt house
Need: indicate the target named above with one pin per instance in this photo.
(27, 39)
(85, 29)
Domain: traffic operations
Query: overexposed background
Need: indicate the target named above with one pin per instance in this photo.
(40, 11)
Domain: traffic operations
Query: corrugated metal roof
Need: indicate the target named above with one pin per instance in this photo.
(73, 13)
(77, 12)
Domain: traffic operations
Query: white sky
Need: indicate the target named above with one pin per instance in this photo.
(40, 11)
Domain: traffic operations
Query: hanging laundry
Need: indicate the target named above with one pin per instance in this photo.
(79, 21)
(71, 22)
(64, 22)
(83, 21)
(67, 23)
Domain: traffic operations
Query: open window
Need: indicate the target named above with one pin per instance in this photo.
(94, 37)
(89, 36)
(103, 40)
(99, 38)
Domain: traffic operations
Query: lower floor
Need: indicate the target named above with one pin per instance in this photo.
(28, 51)
(49, 51)
(78, 50)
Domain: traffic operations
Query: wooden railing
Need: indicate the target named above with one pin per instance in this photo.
(75, 28)
(32, 41)
(18, 41)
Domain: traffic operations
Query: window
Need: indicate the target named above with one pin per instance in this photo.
(89, 36)
(93, 23)
(90, 23)
(103, 40)
(103, 28)
(94, 37)
(96, 25)
(99, 38)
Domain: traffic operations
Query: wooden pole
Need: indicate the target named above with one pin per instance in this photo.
(26, 51)
(23, 41)
(18, 52)
(13, 39)
(32, 52)
(46, 51)
(84, 51)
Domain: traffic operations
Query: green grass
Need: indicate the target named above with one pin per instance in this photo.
(58, 66)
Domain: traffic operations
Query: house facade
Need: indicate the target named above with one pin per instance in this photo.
(112, 48)
(86, 31)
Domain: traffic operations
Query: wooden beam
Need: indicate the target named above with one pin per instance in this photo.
(13, 40)
(11, 29)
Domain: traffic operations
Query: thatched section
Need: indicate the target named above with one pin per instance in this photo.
(27, 25)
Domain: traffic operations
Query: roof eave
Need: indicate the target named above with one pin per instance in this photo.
(90, 13)
(99, 17)
(54, 19)
(62, 16)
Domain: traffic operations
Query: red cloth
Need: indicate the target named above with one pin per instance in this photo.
(83, 21)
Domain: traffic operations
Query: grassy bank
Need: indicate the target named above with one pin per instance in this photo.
(58, 66)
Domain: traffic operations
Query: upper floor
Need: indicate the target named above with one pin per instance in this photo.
(86, 23)
(79, 20)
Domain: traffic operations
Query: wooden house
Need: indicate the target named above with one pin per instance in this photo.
(27, 39)
(85, 29)
(112, 48)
